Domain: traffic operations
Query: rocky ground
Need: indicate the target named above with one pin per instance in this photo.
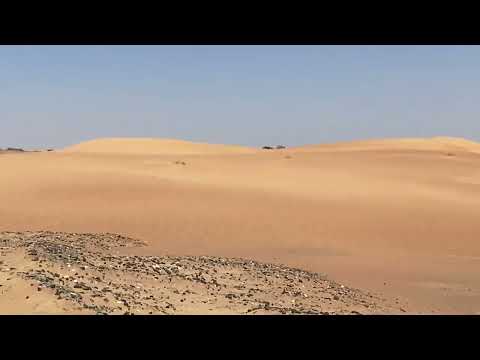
(93, 274)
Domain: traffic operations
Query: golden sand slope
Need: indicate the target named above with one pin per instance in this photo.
(397, 219)
(153, 146)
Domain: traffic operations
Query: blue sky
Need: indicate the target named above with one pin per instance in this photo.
(54, 96)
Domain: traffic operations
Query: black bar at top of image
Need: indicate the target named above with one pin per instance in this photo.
(302, 29)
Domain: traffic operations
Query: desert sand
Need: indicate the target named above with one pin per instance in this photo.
(397, 217)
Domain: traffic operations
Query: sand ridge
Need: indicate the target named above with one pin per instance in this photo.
(440, 143)
(154, 146)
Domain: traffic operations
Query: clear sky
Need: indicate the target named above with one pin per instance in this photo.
(54, 96)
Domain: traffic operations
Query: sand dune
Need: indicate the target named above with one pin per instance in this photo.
(153, 146)
(397, 217)
(431, 144)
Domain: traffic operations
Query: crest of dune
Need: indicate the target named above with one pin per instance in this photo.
(426, 144)
(153, 146)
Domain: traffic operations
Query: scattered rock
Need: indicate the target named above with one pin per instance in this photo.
(109, 283)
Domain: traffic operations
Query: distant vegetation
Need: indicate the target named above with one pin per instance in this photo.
(278, 147)
(13, 149)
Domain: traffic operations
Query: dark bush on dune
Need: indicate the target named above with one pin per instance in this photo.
(278, 147)
(15, 149)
